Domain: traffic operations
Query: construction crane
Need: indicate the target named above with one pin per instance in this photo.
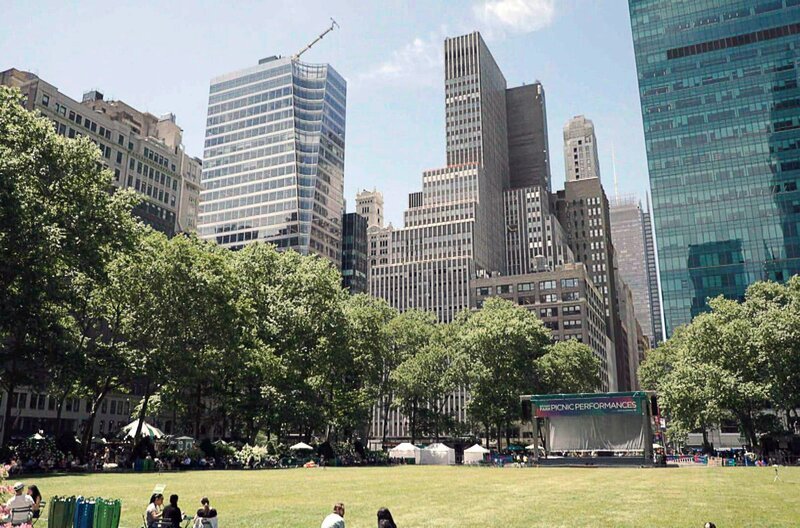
(333, 25)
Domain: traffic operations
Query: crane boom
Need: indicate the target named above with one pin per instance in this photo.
(333, 25)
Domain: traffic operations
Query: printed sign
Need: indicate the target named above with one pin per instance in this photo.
(593, 405)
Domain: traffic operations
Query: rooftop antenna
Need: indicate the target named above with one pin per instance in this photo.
(614, 170)
(333, 25)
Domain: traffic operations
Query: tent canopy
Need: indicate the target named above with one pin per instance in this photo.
(406, 451)
(301, 446)
(147, 430)
(477, 448)
(438, 454)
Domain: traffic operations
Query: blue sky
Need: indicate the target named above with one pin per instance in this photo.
(160, 57)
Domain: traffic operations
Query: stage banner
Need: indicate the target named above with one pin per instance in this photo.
(592, 405)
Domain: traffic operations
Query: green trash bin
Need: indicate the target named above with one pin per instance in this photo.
(60, 512)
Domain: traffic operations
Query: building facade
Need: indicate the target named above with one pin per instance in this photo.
(634, 258)
(565, 299)
(369, 204)
(656, 317)
(528, 149)
(144, 152)
(581, 161)
(354, 253)
(274, 158)
(718, 82)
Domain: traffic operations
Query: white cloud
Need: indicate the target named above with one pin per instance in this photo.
(514, 16)
(417, 61)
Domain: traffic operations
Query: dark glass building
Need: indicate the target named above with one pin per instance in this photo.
(721, 108)
(354, 253)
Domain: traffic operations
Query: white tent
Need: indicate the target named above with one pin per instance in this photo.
(301, 446)
(438, 454)
(405, 451)
(147, 430)
(474, 454)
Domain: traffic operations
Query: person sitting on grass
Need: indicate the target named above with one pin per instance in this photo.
(153, 512)
(335, 519)
(385, 519)
(206, 516)
(172, 514)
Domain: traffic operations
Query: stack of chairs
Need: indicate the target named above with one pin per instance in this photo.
(79, 512)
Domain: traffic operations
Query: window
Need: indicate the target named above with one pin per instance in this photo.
(569, 283)
(571, 310)
(572, 323)
(552, 325)
(78, 119)
(68, 405)
(121, 139)
(547, 285)
(570, 296)
(525, 286)
(116, 174)
(505, 288)
(51, 404)
(548, 312)
(119, 157)
(113, 406)
(549, 298)
(483, 290)
(104, 406)
(45, 100)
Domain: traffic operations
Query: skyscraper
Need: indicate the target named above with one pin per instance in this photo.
(274, 158)
(454, 226)
(652, 276)
(719, 94)
(633, 249)
(369, 204)
(528, 151)
(354, 253)
(580, 150)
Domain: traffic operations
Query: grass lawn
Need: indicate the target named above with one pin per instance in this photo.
(463, 496)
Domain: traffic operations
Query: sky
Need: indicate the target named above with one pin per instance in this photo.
(160, 56)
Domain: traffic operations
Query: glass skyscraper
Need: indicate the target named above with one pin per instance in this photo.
(273, 167)
(718, 82)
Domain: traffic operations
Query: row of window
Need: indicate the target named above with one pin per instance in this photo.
(19, 400)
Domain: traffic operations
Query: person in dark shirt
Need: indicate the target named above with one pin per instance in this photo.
(172, 513)
(206, 512)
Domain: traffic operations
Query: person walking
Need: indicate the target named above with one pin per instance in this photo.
(335, 519)
(385, 519)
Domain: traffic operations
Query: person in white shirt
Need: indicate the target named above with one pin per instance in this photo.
(335, 519)
(153, 511)
(21, 502)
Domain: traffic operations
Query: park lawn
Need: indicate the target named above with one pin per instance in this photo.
(420, 496)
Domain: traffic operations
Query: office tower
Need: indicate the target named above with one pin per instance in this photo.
(144, 152)
(627, 335)
(354, 253)
(652, 276)
(583, 211)
(535, 240)
(369, 204)
(565, 299)
(528, 151)
(719, 96)
(580, 150)
(273, 167)
(634, 252)
(454, 226)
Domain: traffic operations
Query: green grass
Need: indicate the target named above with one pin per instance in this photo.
(463, 496)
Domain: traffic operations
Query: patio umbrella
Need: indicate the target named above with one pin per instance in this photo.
(37, 437)
(300, 446)
(147, 430)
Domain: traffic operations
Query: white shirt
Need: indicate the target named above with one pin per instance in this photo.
(333, 520)
(18, 502)
(152, 512)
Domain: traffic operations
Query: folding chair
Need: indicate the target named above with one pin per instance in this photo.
(20, 516)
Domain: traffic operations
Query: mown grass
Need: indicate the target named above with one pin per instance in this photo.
(424, 496)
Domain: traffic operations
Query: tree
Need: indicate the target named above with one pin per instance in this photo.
(503, 343)
(58, 222)
(568, 367)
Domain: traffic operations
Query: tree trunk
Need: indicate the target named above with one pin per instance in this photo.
(142, 413)
(62, 398)
(197, 412)
(386, 408)
(7, 420)
(413, 423)
(89, 426)
(706, 444)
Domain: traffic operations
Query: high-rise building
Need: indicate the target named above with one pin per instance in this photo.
(634, 256)
(354, 253)
(273, 167)
(535, 240)
(580, 150)
(652, 276)
(528, 151)
(144, 152)
(454, 226)
(369, 204)
(565, 299)
(719, 94)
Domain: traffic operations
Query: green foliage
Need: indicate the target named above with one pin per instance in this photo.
(732, 363)
(568, 367)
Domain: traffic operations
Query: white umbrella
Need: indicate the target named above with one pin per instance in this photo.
(37, 437)
(147, 430)
(658, 446)
(301, 446)
(99, 440)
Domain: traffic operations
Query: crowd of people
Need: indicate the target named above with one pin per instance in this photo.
(171, 516)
